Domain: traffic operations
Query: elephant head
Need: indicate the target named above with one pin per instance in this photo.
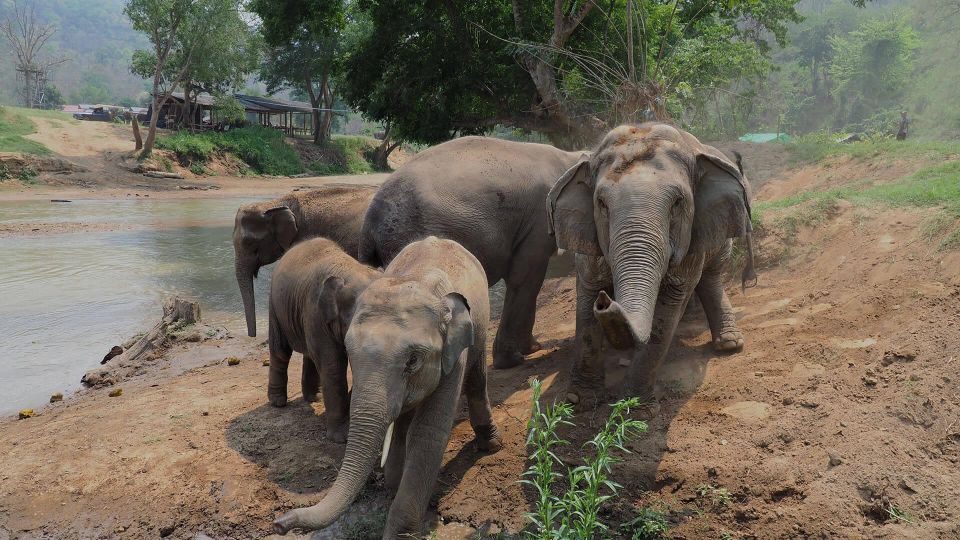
(260, 237)
(404, 339)
(648, 196)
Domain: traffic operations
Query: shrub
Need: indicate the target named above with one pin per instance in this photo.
(261, 148)
(574, 513)
(346, 154)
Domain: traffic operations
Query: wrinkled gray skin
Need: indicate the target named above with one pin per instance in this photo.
(649, 214)
(416, 341)
(312, 296)
(263, 231)
(487, 195)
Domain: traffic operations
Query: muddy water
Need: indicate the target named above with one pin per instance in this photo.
(65, 299)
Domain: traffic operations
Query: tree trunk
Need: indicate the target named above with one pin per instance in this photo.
(314, 106)
(381, 159)
(136, 133)
(327, 117)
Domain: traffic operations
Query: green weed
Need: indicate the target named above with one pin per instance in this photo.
(648, 525)
(575, 512)
(368, 528)
(816, 147)
(198, 169)
(28, 174)
(718, 497)
(897, 514)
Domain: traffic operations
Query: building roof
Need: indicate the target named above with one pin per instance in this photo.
(253, 103)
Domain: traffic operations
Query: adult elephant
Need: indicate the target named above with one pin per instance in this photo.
(650, 215)
(263, 231)
(487, 195)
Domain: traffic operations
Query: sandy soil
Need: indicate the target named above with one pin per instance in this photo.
(841, 413)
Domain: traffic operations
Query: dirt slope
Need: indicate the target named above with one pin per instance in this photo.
(841, 419)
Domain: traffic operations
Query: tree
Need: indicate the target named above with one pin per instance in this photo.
(569, 69)
(304, 43)
(182, 33)
(28, 38)
(872, 66)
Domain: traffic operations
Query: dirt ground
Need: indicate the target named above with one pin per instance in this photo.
(840, 419)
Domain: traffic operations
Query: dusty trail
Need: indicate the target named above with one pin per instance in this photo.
(841, 413)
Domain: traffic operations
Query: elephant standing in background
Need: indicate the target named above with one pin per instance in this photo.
(487, 195)
(649, 214)
(263, 231)
(416, 341)
(312, 296)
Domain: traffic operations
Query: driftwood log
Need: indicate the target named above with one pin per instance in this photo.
(159, 174)
(177, 313)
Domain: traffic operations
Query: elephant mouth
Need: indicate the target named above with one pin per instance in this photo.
(619, 327)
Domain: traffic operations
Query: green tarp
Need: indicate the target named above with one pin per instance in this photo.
(765, 137)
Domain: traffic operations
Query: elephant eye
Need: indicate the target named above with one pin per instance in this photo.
(413, 362)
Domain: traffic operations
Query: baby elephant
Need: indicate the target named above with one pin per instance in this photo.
(312, 296)
(416, 341)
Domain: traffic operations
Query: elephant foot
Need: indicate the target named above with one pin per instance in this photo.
(507, 360)
(728, 341)
(310, 398)
(337, 432)
(488, 438)
(277, 399)
(533, 347)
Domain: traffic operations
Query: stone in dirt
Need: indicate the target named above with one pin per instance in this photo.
(890, 357)
(56, 397)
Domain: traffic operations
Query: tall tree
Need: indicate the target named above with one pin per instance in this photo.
(184, 34)
(304, 42)
(28, 38)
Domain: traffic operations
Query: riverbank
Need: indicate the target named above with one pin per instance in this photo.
(838, 420)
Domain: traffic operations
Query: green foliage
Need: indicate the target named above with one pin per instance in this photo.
(228, 109)
(575, 513)
(872, 66)
(14, 124)
(93, 89)
(369, 527)
(648, 525)
(261, 148)
(346, 154)
(717, 498)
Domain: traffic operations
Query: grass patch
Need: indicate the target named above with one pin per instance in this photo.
(14, 125)
(346, 154)
(262, 149)
(819, 146)
(368, 528)
(649, 524)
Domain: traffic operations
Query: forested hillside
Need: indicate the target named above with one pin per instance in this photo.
(99, 40)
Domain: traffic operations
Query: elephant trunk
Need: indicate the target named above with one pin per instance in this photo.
(368, 428)
(245, 274)
(638, 262)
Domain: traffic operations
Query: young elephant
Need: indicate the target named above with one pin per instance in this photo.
(263, 231)
(312, 296)
(417, 339)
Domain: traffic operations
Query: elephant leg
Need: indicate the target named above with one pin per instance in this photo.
(588, 375)
(478, 403)
(393, 469)
(336, 396)
(427, 439)
(280, 353)
(675, 292)
(309, 380)
(515, 335)
(727, 337)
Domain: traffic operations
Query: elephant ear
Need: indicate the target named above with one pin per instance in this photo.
(283, 225)
(722, 204)
(459, 331)
(570, 211)
(332, 304)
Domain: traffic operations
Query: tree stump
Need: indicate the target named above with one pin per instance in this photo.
(177, 313)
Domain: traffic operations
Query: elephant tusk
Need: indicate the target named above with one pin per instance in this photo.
(386, 445)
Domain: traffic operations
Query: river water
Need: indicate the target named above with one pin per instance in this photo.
(65, 299)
